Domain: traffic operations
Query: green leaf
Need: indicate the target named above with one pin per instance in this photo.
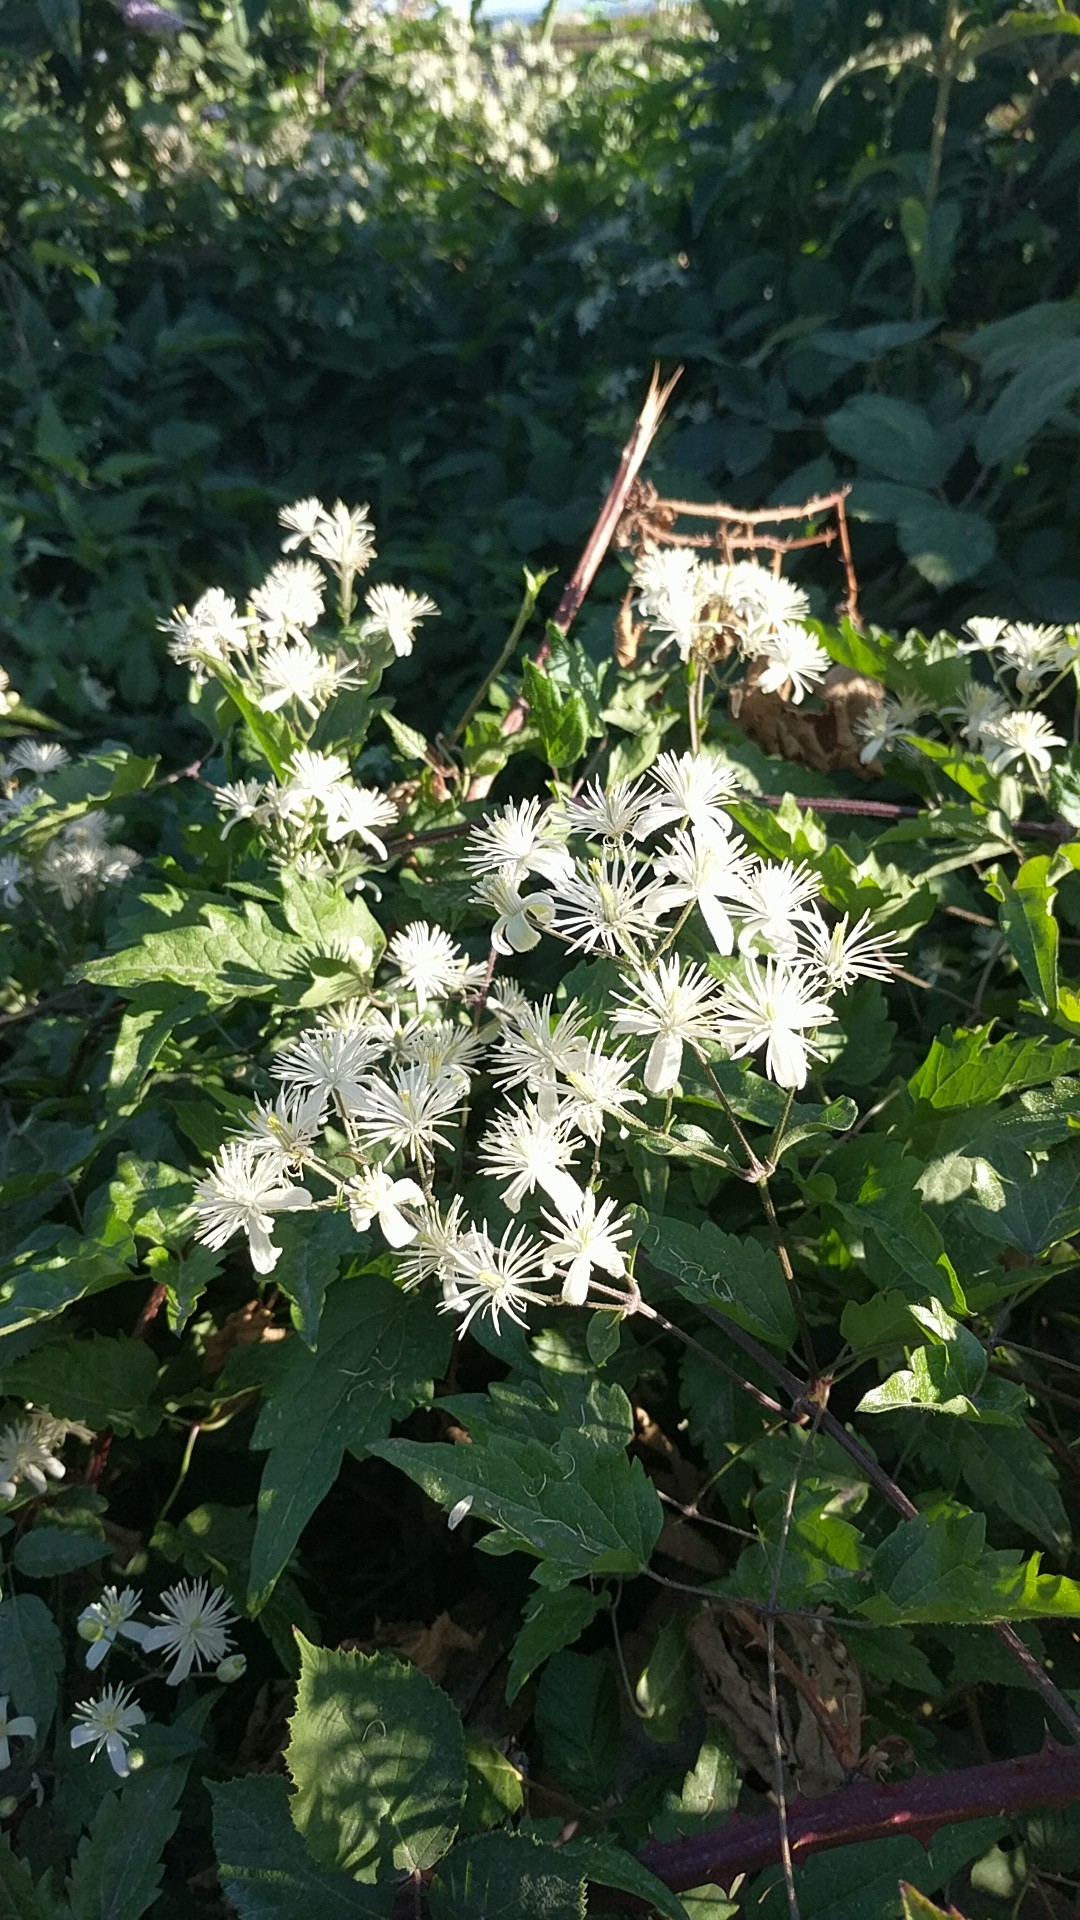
(552, 1621)
(19, 1899)
(1043, 386)
(874, 1188)
(266, 1870)
(562, 720)
(56, 1546)
(1026, 914)
(891, 437)
(312, 1253)
(941, 1570)
(101, 1381)
(377, 1756)
(664, 1692)
(967, 1069)
(379, 1354)
(42, 1280)
(1007, 1468)
(31, 1657)
(118, 1868)
(577, 1719)
(495, 1792)
(506, 1876)
(944, 544)
(740, 1276)
(579, 1507)
(930, 240)
(604, 1865)
(915, 1906)
(153, 1198)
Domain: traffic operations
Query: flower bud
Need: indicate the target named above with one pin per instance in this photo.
(232, 1668)
(89, 1629)
(136, 1759)
(8, 1806)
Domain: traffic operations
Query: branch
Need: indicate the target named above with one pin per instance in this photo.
(918, 1806)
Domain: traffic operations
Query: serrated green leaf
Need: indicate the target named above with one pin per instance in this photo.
(41, 1281)
(31, 1657)
(874, 1188)
(49, 1549)
(552, 1621)
(118, 1868)
(739, 1276)
(265, 1868)
(663, 1691)
(892, 437)
(940, 1569)
(1048, 381)
(580, 1508)
(506, 1876)
(377, 1756)
(495, 1791)
(967, 1069)
(1026, 914)
(946, 545)
(379, 1354)
(313, 1251)
(577, 1719)
(607, 1866)
(19, 1898)
(101, 1381)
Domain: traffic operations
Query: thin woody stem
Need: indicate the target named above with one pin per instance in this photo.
(804, 1397)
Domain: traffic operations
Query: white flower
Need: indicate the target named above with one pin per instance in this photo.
(373, 1193)
(528, 1151)
(194, 1626)
(316, 776)
(976, 707)
(535, 1047)
(793, 656)
(523, 838)
(442, 1047)
(700, 867)
(208, 634)
(290, 599)
(330, 1060)
(26, 1454)
(283, 1135)
(431, 965)
(773, 1007)
(301, 518)
(520, 918)
(431, 1253)
(38, 756)
(843, 957)
(766, 602)
(615, 814)
(678, 1004)
(881, 726)
(104, 1619)
(777, 896)
(345, 537)
(609, 904)
(494, 1278)
(14, 874)
(241, 1194)
(690, 787)
(1024, 735)
(394, 614)
(985, 631)
(240, 800)
(584, 1238)
(80, 861)
(1034, 652)
(670, 595)
(295, 670)
(22, 1727)
(598, 1084)
(404, 1113)
(109, 1722)
(360, 810)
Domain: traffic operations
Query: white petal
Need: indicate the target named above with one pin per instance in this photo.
(575, 1287)
(786, 1060)
(562, 1188)
(397, 1231)
(81, 1736)
(663, 1063)
(717, 922)
(117, 1753)
(264, 1254)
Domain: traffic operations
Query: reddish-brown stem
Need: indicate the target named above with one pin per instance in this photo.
(151, 1307)
(919, 1806)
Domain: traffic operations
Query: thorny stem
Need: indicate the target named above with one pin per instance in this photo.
(804, 1396)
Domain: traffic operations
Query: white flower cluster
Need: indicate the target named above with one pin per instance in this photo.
(79, 860)
(394, 1081)
(193, 1627)
(316, 807)
(29, 1453)
(990, 718)
(704, 606)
